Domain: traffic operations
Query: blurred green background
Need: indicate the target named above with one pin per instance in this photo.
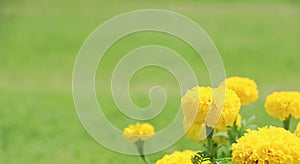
(39, 41)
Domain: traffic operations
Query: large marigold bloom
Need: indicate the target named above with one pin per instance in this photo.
(221, 106)
(244, 87)
(283, 104)
(267, 145)
(297, 132)
(177, 157)
(138, 132)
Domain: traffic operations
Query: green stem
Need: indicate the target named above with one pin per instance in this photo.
(225, 160)
(211, 146)
(144, 158)
(140, 147)
(286, 123)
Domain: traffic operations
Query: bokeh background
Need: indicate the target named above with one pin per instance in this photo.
(39, 41)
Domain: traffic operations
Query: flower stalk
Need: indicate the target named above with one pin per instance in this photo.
(286, 123)
(140, 147)
(212, 147)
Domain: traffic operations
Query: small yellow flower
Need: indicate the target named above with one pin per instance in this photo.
(221, 106)
(267, 145)
(177, 157)
(138, 132)
(245, 88)
(283, 104)
(297, 132)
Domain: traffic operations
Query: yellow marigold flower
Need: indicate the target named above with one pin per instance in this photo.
(177, 157)
(283, 104)
(245, 88)
(297, 132)
(267, 145)
(138, 132)
(221, 106)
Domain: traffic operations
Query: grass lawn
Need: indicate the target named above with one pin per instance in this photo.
(39, 41)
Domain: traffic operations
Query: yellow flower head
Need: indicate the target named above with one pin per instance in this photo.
(245, 88)
(138, 132)
(221, 106)
(177, 157)
(297, 132)
(267, 145)
(283, 104)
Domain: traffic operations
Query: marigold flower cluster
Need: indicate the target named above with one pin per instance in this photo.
(244, 87)
(267, 145)
(138, 132)
(283, 104)
(216, 109)
(177, 157)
